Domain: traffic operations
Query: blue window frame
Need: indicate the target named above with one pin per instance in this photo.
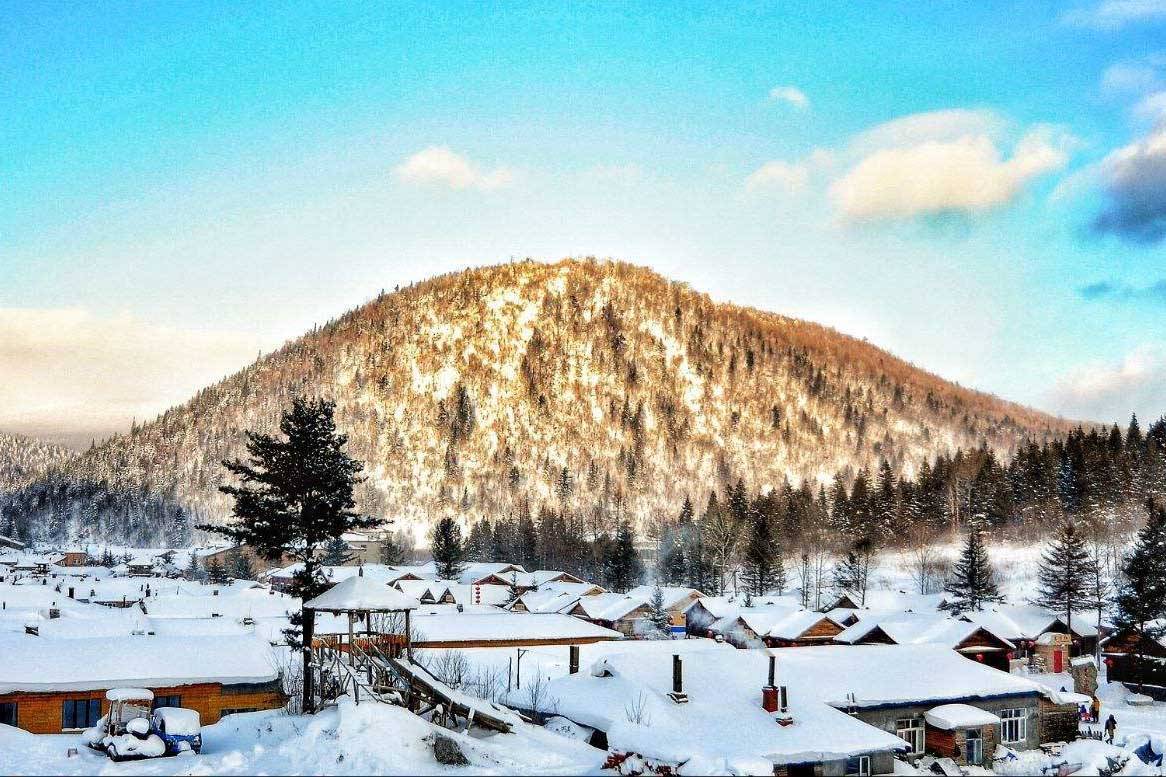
(80, 713)
(8, 714)
(166, 701)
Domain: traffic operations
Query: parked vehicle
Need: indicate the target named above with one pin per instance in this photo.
(130, 730)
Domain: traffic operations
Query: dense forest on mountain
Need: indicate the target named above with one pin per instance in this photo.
(592, 390)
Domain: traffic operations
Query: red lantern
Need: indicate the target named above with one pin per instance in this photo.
(1109, 662)
(1011, 655)
(980, 657)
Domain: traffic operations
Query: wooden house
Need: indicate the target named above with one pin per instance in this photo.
(1132, 659)
(971, 640)
(52, 685)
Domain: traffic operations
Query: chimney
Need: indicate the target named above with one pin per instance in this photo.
(678, 695)
(574, 658)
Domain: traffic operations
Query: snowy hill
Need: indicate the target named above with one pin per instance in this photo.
(23, 459)
(595, 387)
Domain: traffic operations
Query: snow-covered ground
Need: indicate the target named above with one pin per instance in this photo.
(346, 739)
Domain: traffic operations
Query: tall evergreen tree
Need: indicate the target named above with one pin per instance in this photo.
(391, 552)
(852, 575)
(972, 582)
(447, 548)
(241, 566)
(762, 564)
(215, 573)
(658, 617)
(294, 495)
(1064, 574)
(336, 553)
(622, 566)
(1141, 593)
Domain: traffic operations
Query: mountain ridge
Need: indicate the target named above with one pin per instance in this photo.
(585, 385)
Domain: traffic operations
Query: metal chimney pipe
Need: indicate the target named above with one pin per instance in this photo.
(677, 674)
(772, 671)
(574, 661)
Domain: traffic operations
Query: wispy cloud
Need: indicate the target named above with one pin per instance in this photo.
(1109, 391)
(789, 177)
(1115, 14)
(441, 166)
(942, 162)
(790, 95)
(1123, 292)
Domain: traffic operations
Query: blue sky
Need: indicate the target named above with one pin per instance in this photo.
(980, 188)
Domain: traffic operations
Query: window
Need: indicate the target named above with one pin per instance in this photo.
(859, 765)
(1013, 725)
(166, 701)
(911, 731)
(8, 714)
(237, 710)
(80, 713)
(974, 742)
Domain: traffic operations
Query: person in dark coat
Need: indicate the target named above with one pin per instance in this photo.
(1110, 728)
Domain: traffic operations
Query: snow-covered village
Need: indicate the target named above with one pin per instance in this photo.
(611, 389)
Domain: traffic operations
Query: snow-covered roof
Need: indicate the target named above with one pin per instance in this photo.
(917, 628)
(471, 573)
(1028, 622)
(722, 725)
(880, 675)
(505, 627)
(33, 664)
(953, 716)
(673, 595)
(363, 593)
(609, 606)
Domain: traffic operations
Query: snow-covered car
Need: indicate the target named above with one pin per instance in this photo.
(131, 730)
(179, 728)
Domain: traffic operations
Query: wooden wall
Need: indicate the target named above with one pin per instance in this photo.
(40, 713)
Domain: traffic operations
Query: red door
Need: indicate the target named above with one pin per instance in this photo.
(1058, 661)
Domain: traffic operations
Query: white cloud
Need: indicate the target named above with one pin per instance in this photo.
(790, 95)
(1129, 77)
(917, 128)
(790, 177)
(1152, 107)
(71, 374)
(1115, 14)
(943, 161)
(1134, 180)
(1109, 392)
(440, 166)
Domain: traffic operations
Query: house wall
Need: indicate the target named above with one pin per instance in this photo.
(885, 717)
(40, 713)
(953, 744)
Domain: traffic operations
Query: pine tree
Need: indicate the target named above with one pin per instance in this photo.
(336, 553)
(215, 573)
(194, 571)
(852, 575)
(672, 564)
(1141, 594)
(622, 566)
(972, 583)
(447, 548)
(658, 617)
(1063, 575)
(763, 569)
(241, 567)
(294, 495)
(390, 552)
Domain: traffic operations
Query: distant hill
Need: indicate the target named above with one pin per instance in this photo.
(23, 460)
(589, 386)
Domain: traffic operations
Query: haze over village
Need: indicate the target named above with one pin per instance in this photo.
(716, 389)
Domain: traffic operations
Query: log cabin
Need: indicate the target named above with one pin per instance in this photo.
(52, 685)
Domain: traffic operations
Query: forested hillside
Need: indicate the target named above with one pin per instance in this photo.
(591, 389)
